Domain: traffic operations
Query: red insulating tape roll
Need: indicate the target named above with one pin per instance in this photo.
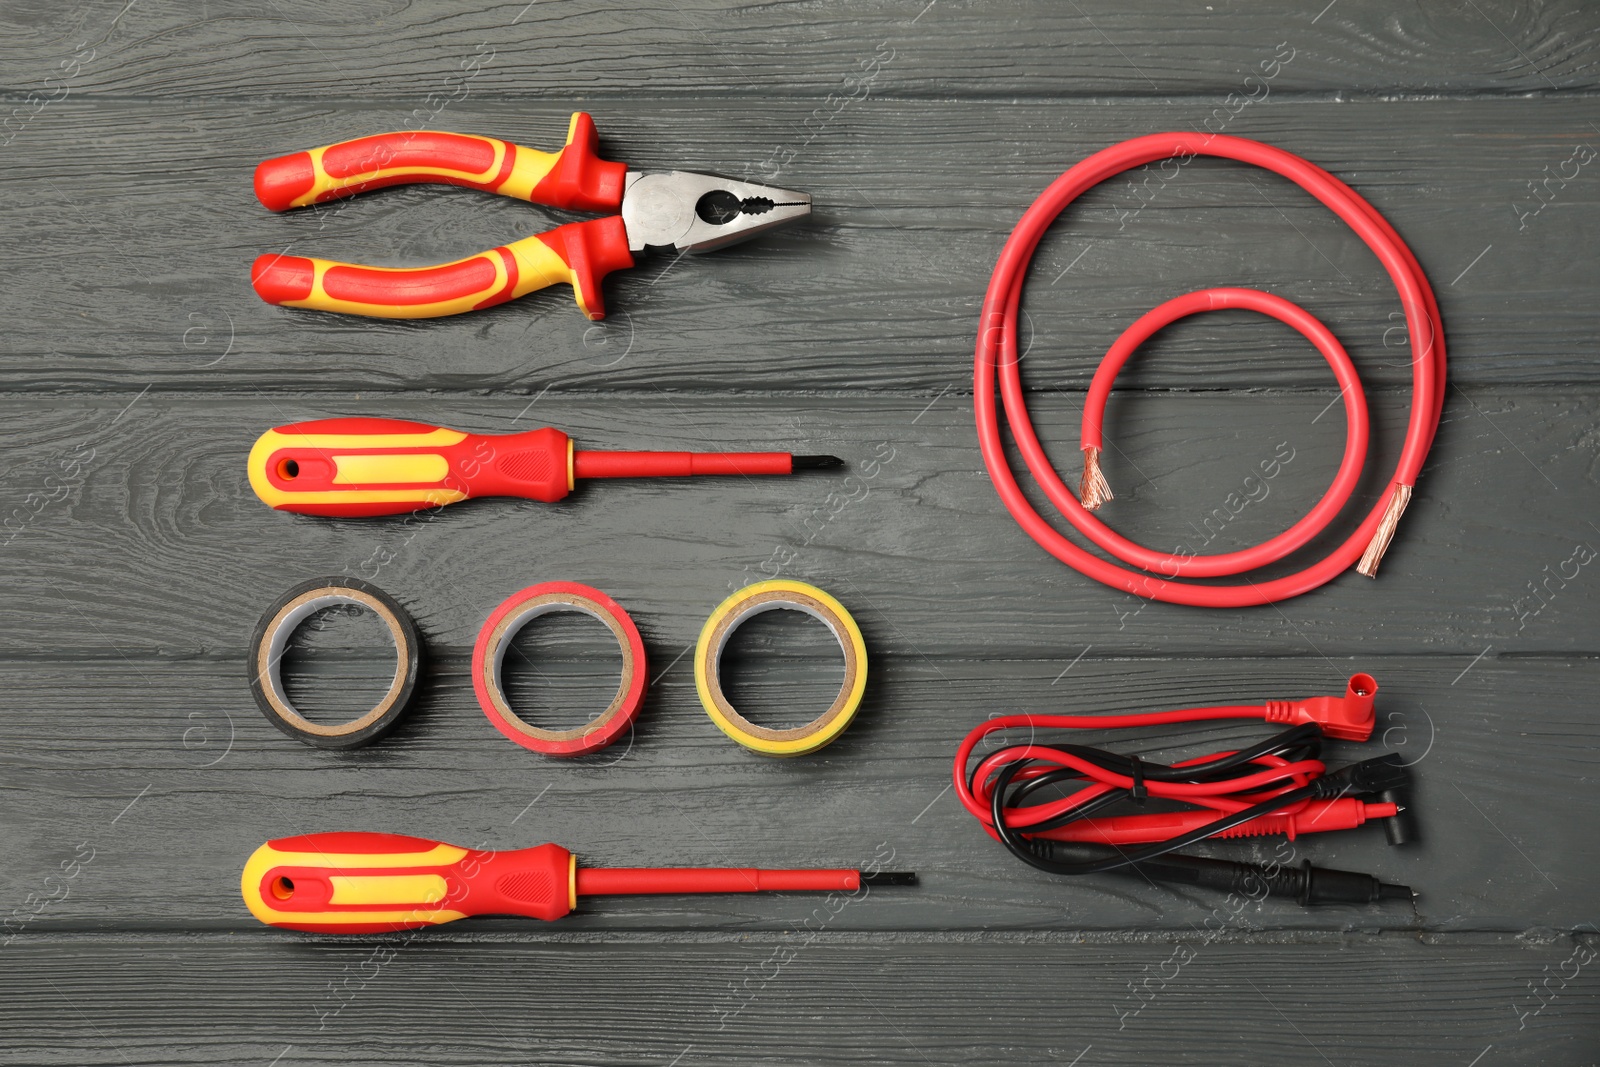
(1156, 579)
(517, 611)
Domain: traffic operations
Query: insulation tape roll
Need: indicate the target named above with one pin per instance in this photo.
(778, 595)
(517, 611)
(271, 640)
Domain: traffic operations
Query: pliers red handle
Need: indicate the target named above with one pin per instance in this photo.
(677, 209)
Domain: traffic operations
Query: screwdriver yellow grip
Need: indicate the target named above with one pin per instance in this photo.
(364, 883)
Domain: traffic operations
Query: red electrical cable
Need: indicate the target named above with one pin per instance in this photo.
(1349, 717)
(1233, 794)
(997, 354)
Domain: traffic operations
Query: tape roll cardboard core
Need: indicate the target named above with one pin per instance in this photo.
(271, 642)
(780, 595)
(488, 661)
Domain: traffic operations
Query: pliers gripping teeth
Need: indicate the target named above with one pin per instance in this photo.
(671, 209)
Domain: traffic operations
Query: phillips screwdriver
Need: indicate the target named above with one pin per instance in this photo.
(359, 466)
(365, 883)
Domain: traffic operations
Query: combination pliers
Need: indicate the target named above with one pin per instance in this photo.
(673, 209)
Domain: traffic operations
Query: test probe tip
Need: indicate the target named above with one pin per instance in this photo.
(890, 878)
(816, 463)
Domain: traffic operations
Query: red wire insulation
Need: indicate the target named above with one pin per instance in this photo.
(1315, 816)
(597, 881)
(997, 354)
(1350, 717)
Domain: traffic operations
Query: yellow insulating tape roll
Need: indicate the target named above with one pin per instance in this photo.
(773, 596)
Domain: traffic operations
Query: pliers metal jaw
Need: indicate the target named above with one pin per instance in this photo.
(703, 212)
(681, 210)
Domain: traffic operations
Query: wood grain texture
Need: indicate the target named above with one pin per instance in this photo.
(782, 1001)
(136, 368)
(171, 776)
(899, 252)
(561, 48)
(160, 546)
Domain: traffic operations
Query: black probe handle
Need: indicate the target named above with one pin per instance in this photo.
(1305, 883)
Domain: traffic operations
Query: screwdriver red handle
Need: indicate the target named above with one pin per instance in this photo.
(357, 467)
(362, 883)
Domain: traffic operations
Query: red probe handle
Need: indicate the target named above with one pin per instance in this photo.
(1340, 813)
(574, 178)
(1349, 717)
(358, 467)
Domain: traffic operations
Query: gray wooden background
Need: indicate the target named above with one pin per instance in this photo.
(138, 368)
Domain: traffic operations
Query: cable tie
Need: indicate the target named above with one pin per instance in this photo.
(1138, 793)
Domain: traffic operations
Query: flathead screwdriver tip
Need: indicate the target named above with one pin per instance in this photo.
(890, 878)
(1389, 891)
(815, 463)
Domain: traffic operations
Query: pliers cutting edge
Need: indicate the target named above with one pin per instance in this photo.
(674, 209)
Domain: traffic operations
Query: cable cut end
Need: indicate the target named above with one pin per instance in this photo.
(1093, 490)
(1385, 533)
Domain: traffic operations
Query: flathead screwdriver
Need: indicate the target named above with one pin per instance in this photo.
(360, 466)
(361, 883)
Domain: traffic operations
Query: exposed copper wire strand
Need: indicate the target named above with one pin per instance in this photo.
(1385, 532)
(1093, 489)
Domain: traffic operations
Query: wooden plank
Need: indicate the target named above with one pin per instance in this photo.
(165, 774)
(158, 543)
(138, 367)
(880, 291)
(558, 49)
(1386, 1001)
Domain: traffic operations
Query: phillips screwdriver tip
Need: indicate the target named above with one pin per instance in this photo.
(890, 878)
(816, 463)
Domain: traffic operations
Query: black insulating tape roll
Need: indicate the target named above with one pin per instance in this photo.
(271, 638)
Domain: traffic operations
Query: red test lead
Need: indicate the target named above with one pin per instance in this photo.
(1037, 796)
(1318, 816)
(358, 467)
